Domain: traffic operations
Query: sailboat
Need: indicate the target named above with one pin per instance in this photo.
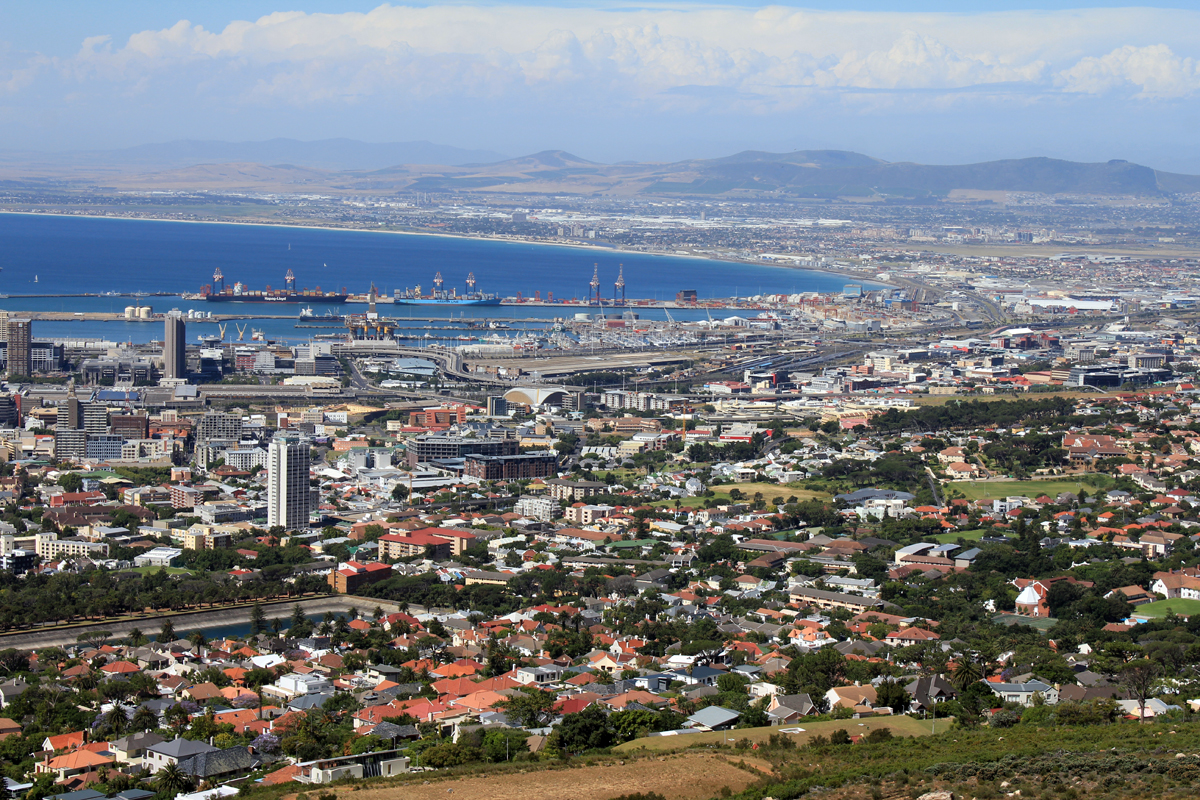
(35, 278)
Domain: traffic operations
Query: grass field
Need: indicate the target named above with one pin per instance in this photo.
(1160, 608)
(899, 726)
(943, 399)
(992, 490)
(954, 536)
(748, 490)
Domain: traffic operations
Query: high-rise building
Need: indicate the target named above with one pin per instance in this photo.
(218, 426)
(10, 415)
(174, 348)
(19, 332)
(70, 416)
(94, 417)
(497, 407)
(288, 493)
(70, 444)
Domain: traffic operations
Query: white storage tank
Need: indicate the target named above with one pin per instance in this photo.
(145, 312)
(130, 312)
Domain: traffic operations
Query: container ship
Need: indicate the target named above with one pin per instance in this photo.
(218, 292)
(442, 297)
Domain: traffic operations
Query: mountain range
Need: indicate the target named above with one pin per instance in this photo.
(345, 166)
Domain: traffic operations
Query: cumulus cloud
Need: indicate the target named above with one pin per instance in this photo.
(406, 70)
(1153, 71)
(642, 54)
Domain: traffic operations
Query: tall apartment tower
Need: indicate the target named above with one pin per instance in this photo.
(70, 413)
(19, 333)
(288, 493)
(174, 346)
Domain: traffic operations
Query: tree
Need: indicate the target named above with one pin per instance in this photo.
(116, 721)
(95, 638)
(297, 617)
(449, 754)
(167, 632)
(892, 695)
(587, 730)
(503, 744)
(529, 708)
(756, 715)
(136, 637)
(144, 720)
(1138, 677)
(258, 620)
(968, 672)
(171, 781)
(70, 481)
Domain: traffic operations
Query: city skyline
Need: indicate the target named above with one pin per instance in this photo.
(925, 82)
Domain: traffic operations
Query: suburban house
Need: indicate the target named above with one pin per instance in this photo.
(1023, 692)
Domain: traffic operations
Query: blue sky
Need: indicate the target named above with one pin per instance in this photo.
(937, 82)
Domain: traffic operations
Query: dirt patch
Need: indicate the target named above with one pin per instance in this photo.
(685, 777)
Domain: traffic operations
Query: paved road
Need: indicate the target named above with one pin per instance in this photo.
(187, 622)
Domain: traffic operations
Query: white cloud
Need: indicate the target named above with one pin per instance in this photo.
(1153, 71)
(480, 73)
(400, 52)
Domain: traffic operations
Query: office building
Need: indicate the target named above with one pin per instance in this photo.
(93, 417)
(104, 447)
(174, 349)
(508, 468)
(288, 495)
(50, 548)
(70, 444)
(216, 426)
(131, 426)
(19, 334)
(16, 560)
(431, 447)
(497, 407)
(9, 414)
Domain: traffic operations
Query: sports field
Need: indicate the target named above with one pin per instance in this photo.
(1160, 608)
(994, 490)
(954, 536)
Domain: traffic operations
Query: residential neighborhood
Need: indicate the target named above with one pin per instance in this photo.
(996, 563)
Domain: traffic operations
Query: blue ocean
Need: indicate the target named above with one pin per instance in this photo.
(47, 255)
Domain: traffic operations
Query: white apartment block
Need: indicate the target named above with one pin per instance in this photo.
(288, 495)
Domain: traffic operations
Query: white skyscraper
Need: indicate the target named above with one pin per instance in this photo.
(288, 494)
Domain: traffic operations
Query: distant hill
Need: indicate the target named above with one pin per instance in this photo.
(810, 158)
(327, 154)
(834, 173)
(214, 177)
(552, 159)
(344, 165)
